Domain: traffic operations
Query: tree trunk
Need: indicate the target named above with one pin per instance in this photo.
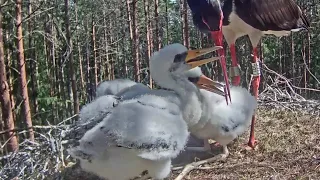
(88, 74)
(129, 18)
(308, 62)
(156, 16)
(33, 62)
(293, 70)
(305, 64)
(106, 41)
(95, 61)
(71, 63)
(147, 20)
(6, 109)
(185, 30)
(82, 83)
(135, 42)
(10, 76)
(280, 56)
(167, 23)
(22, 69)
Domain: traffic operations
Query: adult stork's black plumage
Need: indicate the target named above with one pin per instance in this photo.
(254, 18)
(207, 16)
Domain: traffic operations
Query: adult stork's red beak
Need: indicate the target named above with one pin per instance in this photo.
(218, 39)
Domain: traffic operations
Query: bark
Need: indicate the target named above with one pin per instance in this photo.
(82, 83)
(135, 42)
(112, 56)
(33, 62)
(185, 29)
(305, 81)
(22, 69)
(293, 70)
(71, 63)
(308, 61)
(156, 16)
(106, 41)
(95, 61)
(10, 75)
(6, 108)
(147, 19)
(129, 18)
(167, 23)
(88, 74)
(280, 56)
(124, 63)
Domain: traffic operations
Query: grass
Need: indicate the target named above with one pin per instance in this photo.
(289, 143)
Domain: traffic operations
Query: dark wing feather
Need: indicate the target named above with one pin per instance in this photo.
(206, 14)
(274, 15)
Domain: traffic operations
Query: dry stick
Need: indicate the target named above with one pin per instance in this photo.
(305, 64)
(41, 127)
(194, 165)
(286, 81)
(33, 127)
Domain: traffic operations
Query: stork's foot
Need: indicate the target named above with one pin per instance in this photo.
(144, 176)
(195, 165)
(251, 145)
(215, 143)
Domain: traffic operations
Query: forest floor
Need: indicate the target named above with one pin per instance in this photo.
(288, 148)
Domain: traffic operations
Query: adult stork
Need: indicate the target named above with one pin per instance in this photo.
(254, 18)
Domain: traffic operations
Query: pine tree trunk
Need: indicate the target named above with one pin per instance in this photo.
(305, 64)
(156, 16)
(10, 75)
(167, 23)
(129, 20)
(293, 70)
(82, 83)
(135, 42)
(22, 69)
(95, 61)
(106, 49)
(71, 63)
(112, 61)
(88, 74)
(308, 61)
(147, 20)
(185, 30)
(33, 62)
(6, 108)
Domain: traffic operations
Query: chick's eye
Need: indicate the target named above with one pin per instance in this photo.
(193, 79)
(180, 57)
(177, 58)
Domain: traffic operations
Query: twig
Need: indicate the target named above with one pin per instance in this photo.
(195, 165)
(33, 127)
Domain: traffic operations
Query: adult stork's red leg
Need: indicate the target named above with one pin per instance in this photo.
(255, 89)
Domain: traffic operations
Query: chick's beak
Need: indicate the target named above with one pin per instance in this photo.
(192, 54)
(208, 84)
